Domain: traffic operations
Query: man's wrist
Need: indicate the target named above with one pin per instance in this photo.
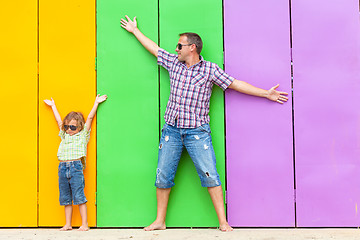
(267, 94)
(135, 30)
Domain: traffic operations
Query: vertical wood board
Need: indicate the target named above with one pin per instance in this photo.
(326, 88)
(18, 143)
(67, 74)
(128, 127)
(259, 132)
(190, 204)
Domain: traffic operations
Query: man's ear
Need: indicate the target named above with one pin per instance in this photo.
(193, 47)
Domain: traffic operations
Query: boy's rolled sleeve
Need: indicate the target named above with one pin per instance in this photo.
(86, 133)
(62, 134)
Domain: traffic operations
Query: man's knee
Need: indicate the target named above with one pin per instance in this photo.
(163, 179)
(209, 179)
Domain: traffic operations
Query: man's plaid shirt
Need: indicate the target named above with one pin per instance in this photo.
(190, 89)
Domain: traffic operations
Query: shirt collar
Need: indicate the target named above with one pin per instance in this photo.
(201, 60)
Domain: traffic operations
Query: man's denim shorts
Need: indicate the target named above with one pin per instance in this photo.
(71, 183)
(198, 144)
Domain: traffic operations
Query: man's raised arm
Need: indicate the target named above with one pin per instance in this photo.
(131, 26)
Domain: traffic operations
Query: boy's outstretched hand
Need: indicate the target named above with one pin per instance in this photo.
(50, 102)
(100, 99)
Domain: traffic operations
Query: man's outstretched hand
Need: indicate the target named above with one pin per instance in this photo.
(277, 96)
(129, 25)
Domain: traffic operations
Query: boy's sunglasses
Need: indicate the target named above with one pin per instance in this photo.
(179, 45)
(72, 127)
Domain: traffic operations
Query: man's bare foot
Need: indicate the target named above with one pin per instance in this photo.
(225, 227)
(155, 226)
(83, 228)
(66, 228)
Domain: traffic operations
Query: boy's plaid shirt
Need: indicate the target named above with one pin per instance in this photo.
(75, 146)
(190, 89)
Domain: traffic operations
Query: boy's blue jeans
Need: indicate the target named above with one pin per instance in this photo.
(71, 183)
(198, 144)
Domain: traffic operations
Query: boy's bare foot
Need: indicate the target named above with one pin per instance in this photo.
(66, 228)
(155, 226)
(83, 228)
(225, 227)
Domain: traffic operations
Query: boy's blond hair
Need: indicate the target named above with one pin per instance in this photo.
(78, 116)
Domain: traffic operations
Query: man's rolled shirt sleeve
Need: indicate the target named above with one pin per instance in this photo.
(221, 78)
(165, 59)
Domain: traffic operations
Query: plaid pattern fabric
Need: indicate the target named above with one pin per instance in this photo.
(190, 89)
(75, 146)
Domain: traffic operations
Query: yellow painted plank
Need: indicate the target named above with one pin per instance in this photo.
(18, 141)
(67, 74)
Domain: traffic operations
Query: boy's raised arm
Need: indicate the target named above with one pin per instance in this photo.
(98, 99)
(51, 103)
(131, 26)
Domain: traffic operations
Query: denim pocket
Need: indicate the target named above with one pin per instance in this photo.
(78, 166)
(163, 128)
(205, 128)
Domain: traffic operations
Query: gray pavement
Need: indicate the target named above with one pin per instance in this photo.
(183, 233)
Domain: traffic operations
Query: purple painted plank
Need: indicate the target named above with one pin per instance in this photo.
(327, 112)
(259, 132)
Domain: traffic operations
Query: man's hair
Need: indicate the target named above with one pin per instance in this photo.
(74, 116)
(193, 38)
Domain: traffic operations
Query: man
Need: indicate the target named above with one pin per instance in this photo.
(187, 119)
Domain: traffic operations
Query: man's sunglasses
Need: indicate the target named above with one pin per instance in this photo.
(72, 127)
(179, 45)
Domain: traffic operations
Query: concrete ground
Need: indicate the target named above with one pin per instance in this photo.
(183, 233)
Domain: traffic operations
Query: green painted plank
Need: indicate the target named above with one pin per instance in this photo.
(190, 204)
(128, 123)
